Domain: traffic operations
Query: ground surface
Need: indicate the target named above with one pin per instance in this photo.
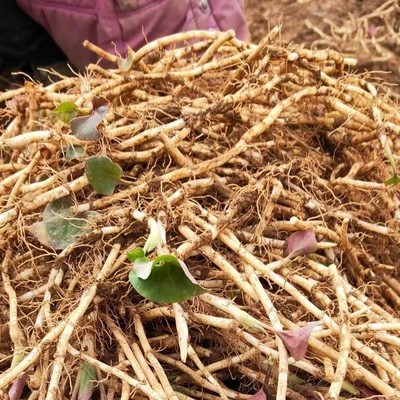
(366, 29)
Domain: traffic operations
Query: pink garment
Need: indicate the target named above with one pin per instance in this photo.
(115, 24)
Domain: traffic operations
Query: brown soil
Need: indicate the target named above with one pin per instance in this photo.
(365, 29)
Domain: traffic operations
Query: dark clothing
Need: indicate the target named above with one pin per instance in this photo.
(23, 42)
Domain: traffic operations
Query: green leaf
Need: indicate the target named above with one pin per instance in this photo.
(103, 174)
(135, 254)
(87, 378)
(74, 152)
(85, 127)
(66, 111)
(389, 155)
(60, 228)
(394, 180)
(168, 281)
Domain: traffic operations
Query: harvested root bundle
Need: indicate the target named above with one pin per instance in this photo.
(367, 30)
(231, 148)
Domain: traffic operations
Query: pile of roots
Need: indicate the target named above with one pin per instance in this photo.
(233, 147)
(370, 31)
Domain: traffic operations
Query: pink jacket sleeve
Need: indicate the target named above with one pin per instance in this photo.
(115, 24)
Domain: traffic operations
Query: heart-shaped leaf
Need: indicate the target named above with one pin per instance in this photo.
(60, 227)
(300, 243)
(167, 282)
(260, 395)
(103, 174)
(296, 340)
(87, 379)
(85, 127)
(66, 111)
(74, 152)
(366, 391)
(264, 393)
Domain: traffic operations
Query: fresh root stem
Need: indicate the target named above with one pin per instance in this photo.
(182, 330)
(146, 390)
(345, 342)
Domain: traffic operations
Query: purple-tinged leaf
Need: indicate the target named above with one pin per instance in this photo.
(372, 30)
(264, 393)
(300, 243)
(296, 340)
(17, 387)
(260, 395)
(99, 101)
(85, 127)
(367, 392)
